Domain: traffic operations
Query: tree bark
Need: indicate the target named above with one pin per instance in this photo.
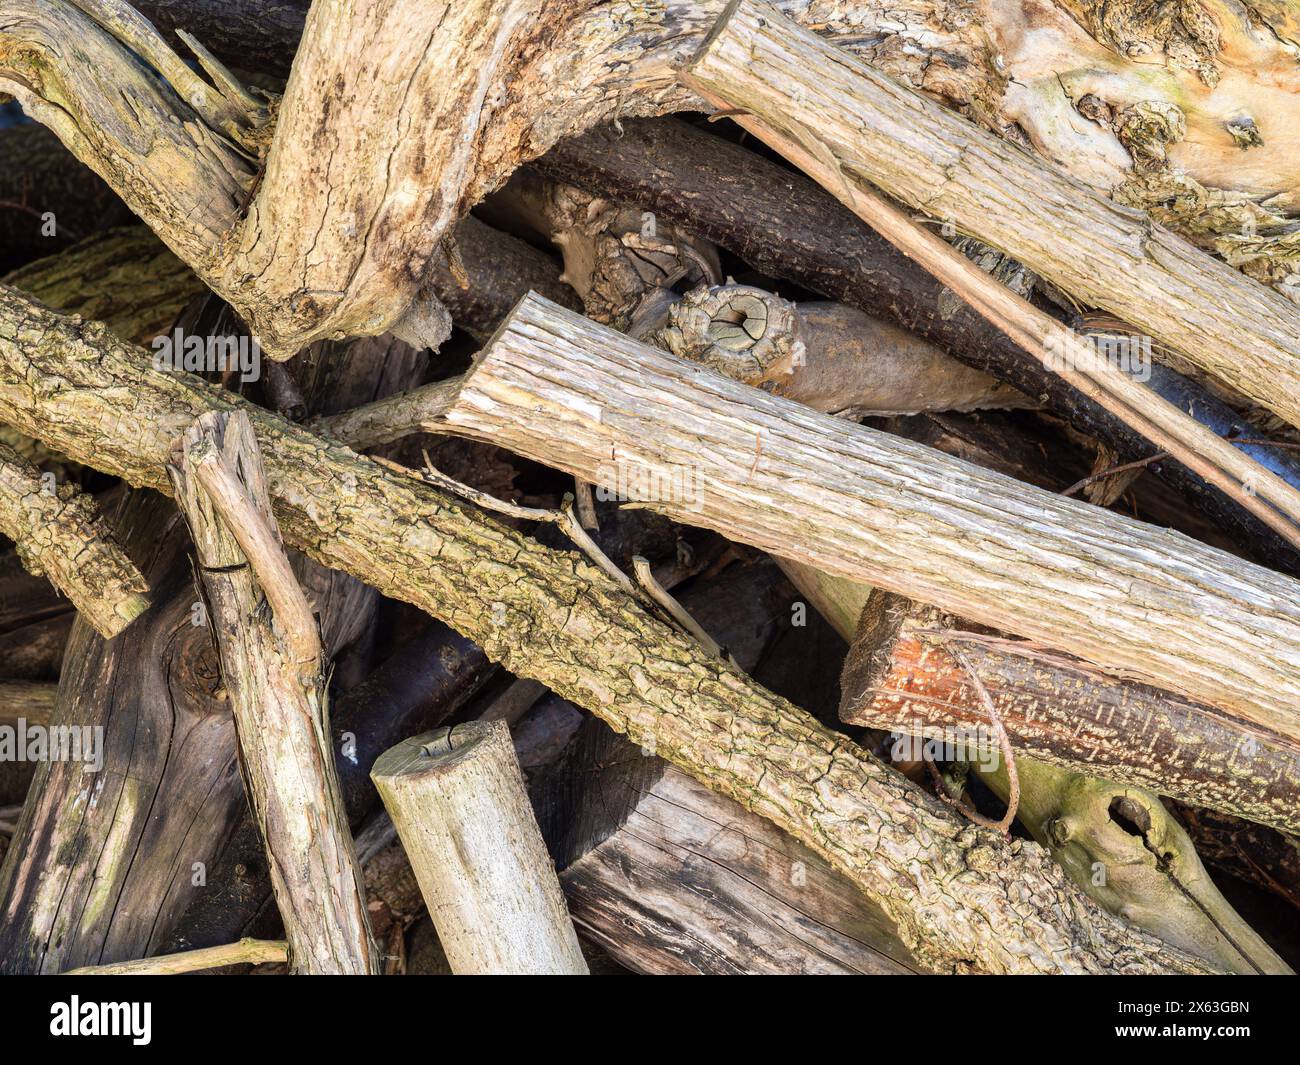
(787, 226)
(457, 799)
(411, 152)
(959, 902)
(59, 533)
(273, 670)
(710, 452)
(866, 127)
(1062, 711)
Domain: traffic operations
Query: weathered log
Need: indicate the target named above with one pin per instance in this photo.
(963, 905)
(1062, 711)
(669, 877)
(865, 127)
(788, 226)
(273, 670)
(170, 792)
(522, 77)
(457, 799)
(415, 689)
(125, 278)
(707, 451)
(59, 533)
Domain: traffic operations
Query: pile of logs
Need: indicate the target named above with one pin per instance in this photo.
(709, 488)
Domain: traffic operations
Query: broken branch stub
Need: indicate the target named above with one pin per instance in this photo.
(457, 798)
(60, 533)
(273, 669)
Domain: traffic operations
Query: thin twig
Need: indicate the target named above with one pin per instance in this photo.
(1004, 741)
(675, 610)
(244, 952)
(566, 518)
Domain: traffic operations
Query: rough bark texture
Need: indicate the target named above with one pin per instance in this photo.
(273, 670)
(708, 451)
(410, 148)
(1062, 711)
(29, 700)
(59, 533)
(963, 898)
(869, 128)
(457, 799)
(789, 227)
(170, 792)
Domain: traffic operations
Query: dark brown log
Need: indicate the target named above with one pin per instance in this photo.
(787, 226)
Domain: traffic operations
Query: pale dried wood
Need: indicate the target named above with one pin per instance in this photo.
(862, 126)
(272, 665)
(458, 801)
(958, 896)
(1137, 601)
(245, 952)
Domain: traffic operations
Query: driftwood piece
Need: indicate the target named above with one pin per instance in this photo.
(59, 533)
(788, 226)
(273, 669)
(457, 799)
(708, 451)
(864, 127)
(963, 905)
(1062, 711)
(245, 952)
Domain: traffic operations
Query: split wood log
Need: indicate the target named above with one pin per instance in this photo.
(457, 799)
(522, 75)
(788, 226)
(707, 451)
(273, 669)
(855, 125)
(669, 877)
(59, 533)
(415, 689)
(1060, 710)
(962, 898)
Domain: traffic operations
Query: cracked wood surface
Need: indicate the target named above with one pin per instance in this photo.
(1141, 602)
(274, 672)
(963, 899)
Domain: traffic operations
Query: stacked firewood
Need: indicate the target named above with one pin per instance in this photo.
(717, 490)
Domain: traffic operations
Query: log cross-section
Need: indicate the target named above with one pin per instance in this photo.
(1140, 602)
